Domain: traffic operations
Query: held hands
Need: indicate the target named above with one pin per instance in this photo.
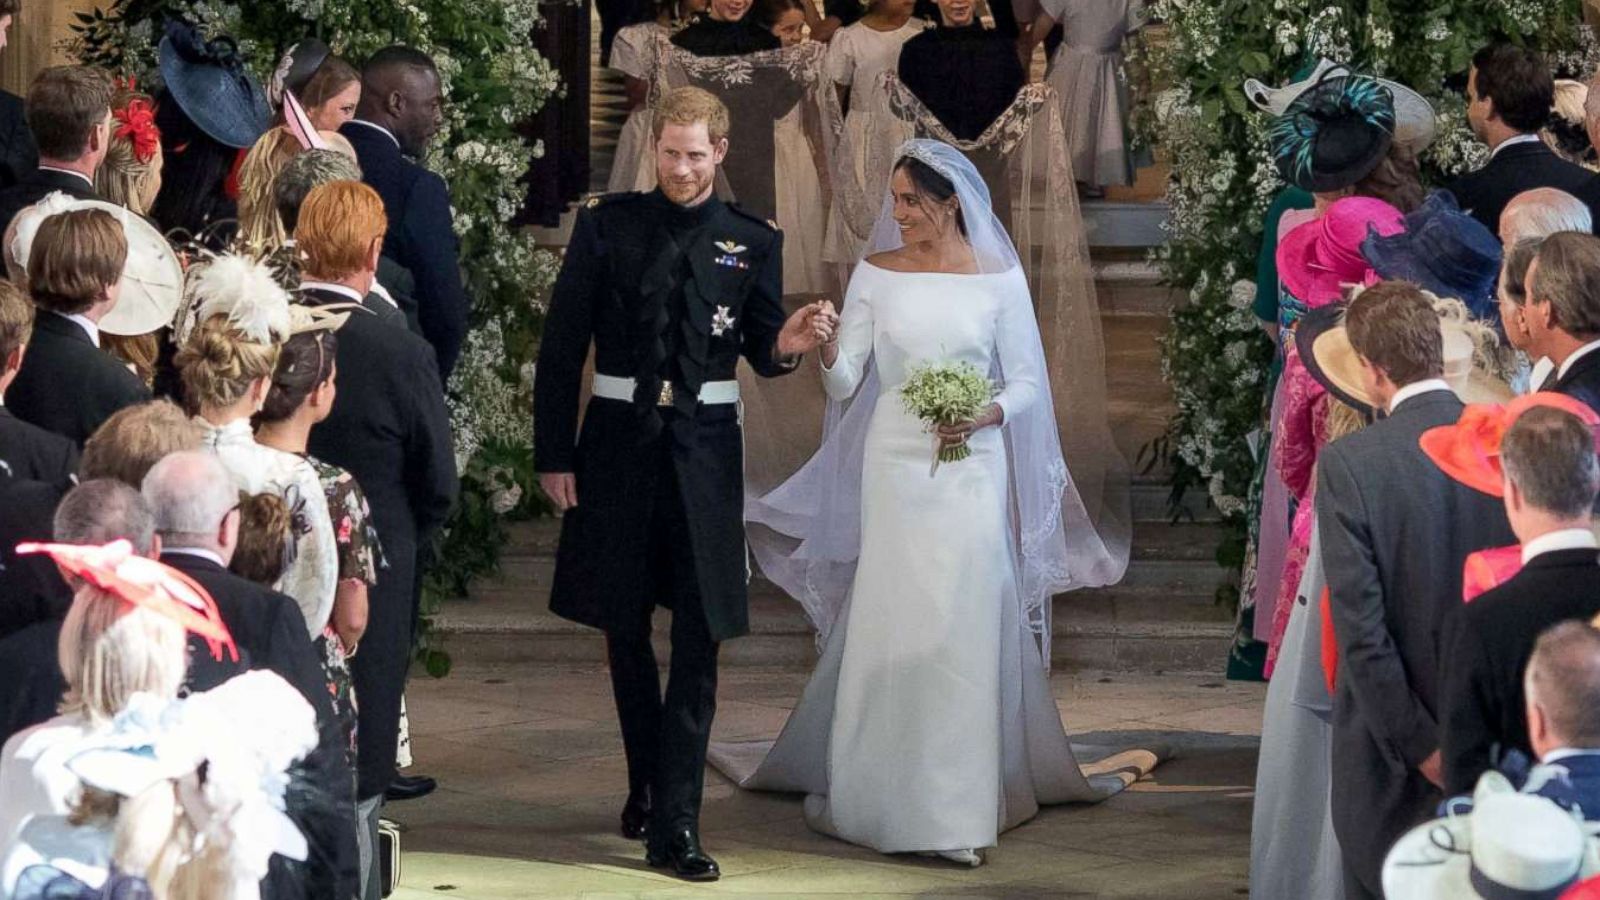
(561, 488)
(957, 434)
(811, 326)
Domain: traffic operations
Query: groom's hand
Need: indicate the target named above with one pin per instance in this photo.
(561, 488)
(810, 327)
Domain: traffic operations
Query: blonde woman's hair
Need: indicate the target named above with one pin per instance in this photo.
(260, 228)
(153, 838)
(218, 364)
(122, 179)
(110, 650)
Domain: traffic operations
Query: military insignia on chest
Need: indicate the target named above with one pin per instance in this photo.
(721, 321)
(730, 255)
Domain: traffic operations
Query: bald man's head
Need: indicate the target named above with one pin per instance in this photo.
(1541, 212)
(401, 91)
(1562, 686)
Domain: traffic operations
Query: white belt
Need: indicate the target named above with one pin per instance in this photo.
(613, 387)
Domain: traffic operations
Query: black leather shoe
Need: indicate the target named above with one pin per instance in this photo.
(409, 787)
(636, 816)
(685, 858)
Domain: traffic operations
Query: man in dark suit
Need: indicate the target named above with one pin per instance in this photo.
(195, 511)
(67, 384)
(390, 430)
(1560, 314)
(26, 451)
(1396, 531)
(339, 235)
(671, 288)
(402, 108)
(69, 113)
(308, 170)
(1551, 480)
(1562, 685)
(18, 155)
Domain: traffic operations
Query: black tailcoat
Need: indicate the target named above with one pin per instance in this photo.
(68, 385)
(1582, 381)
(1484, 649)
(18, 155)
(1516, 168)
(32, 453)
(35, 185)
(624, 283)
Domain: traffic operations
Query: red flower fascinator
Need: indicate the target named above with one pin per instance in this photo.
(139, 581)
(136, 123)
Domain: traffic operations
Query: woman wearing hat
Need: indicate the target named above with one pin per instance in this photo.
(1444, 251)
(209, 110)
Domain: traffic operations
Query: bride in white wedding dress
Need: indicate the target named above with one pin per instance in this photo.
(929, 724)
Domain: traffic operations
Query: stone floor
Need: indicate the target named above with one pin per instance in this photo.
(532, 777)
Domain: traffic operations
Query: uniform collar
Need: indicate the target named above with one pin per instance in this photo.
(686, 216)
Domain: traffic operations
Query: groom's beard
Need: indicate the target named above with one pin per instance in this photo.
(686, 189)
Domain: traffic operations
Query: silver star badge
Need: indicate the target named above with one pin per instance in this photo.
(721, 322)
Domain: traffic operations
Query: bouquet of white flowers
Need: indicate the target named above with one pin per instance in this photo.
(945, 394)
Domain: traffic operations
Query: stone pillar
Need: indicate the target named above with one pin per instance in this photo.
(34, 40)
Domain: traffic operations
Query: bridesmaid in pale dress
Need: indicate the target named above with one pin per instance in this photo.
(800, 210)
(1087, 74)
(631, 54)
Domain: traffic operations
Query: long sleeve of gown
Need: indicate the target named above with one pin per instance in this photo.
(855, 340)
(1019, 349)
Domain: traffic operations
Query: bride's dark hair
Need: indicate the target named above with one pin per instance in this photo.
(930, 183)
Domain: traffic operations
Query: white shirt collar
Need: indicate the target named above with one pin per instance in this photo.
(307, 284)
(1510, 141)
(1417, 388)
(1565, 539)
(1561, 753)
(397, 140)
(86, 324)
(383, 292)
(1585, 350)
(86, 179)
(201, 552)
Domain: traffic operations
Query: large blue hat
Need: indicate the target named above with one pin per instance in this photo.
(209, 81)
(1443, 250)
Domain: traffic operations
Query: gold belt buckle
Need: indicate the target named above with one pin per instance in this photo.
(665, 397)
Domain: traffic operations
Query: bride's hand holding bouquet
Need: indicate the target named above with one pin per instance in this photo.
(955, 399)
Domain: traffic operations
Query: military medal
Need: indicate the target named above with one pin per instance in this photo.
(721, 322)
(730, 255)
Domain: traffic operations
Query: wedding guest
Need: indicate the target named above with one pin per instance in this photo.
(1542, 212)
(798, 161)
(67, 383)
(26, 451)
(390, 430)
(195, 505)
(136, 438)
(633, 54)
(1565, 131)
(1551, 479)
(1087, 74)
(1395, 530)
(18, 155)
(328, 87)
(1509, 94)
(209, 110)
(1561, 314)
(1512, 293)
(95, 512)
(402, 108)
(339, 235)
(317, 167)
(68, 108)
(1562, 691)
(725, 29)
(130, 174)
(965, 73)
(226, 362)
(1442, 250)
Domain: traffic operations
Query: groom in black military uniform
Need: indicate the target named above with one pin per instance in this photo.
(672, 287)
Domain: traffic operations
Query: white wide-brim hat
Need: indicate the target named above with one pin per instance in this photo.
(1509, 845)
(1414, 125)
(152, 278)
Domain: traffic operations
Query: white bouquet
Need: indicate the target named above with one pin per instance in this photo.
(946, 394)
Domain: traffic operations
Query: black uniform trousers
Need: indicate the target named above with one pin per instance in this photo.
(665, 739)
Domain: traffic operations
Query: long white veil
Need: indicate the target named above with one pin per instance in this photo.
(806, 533)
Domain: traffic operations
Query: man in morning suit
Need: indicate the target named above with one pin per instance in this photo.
(1562, 685)
(26, 451)
(1560, 314)
(1551, 480)
(1509, 94)
(196, 511)
(67, 384)
(18, 155)
(401, 110)
(390, 430)
(1396, 531)
(69, 113)
(671, 287)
